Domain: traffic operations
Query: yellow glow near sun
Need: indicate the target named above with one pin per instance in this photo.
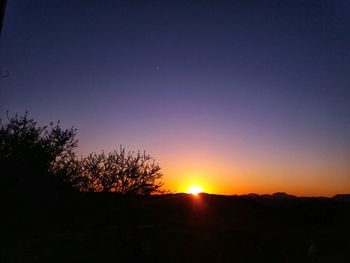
(195, 190)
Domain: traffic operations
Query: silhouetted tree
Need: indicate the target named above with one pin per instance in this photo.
(36, 159)
(119, 171)
(29, 153)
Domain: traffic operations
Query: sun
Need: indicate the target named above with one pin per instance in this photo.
(195, 190)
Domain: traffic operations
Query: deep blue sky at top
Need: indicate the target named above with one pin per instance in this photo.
(142, 73)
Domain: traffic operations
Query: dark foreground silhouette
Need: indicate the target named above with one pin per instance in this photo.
(114, 217)
(106, 227)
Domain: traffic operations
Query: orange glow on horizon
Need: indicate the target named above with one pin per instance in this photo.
(228, 168)
(219, 172)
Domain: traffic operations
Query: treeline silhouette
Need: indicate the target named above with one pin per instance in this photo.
(36, 158)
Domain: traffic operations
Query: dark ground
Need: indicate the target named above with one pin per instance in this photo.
(178, 228)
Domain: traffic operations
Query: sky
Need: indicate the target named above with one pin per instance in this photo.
(235, 96)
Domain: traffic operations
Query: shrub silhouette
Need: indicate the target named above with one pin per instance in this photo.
(28, 153)
(118, 171)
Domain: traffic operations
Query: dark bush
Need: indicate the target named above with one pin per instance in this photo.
(29, 153)
(119, 171)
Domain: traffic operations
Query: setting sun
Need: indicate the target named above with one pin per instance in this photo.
(195, 190)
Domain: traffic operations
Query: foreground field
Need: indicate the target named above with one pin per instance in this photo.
(184, 228)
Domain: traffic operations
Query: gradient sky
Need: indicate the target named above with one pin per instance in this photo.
(236, 96)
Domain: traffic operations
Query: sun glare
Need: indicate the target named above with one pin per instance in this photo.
(195, 190)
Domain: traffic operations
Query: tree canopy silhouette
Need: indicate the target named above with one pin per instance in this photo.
(29, 152)
(36, 158)
(132, 173)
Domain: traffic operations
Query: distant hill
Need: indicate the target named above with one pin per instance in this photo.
(282, 195)
(278, 195)
(342, 197)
